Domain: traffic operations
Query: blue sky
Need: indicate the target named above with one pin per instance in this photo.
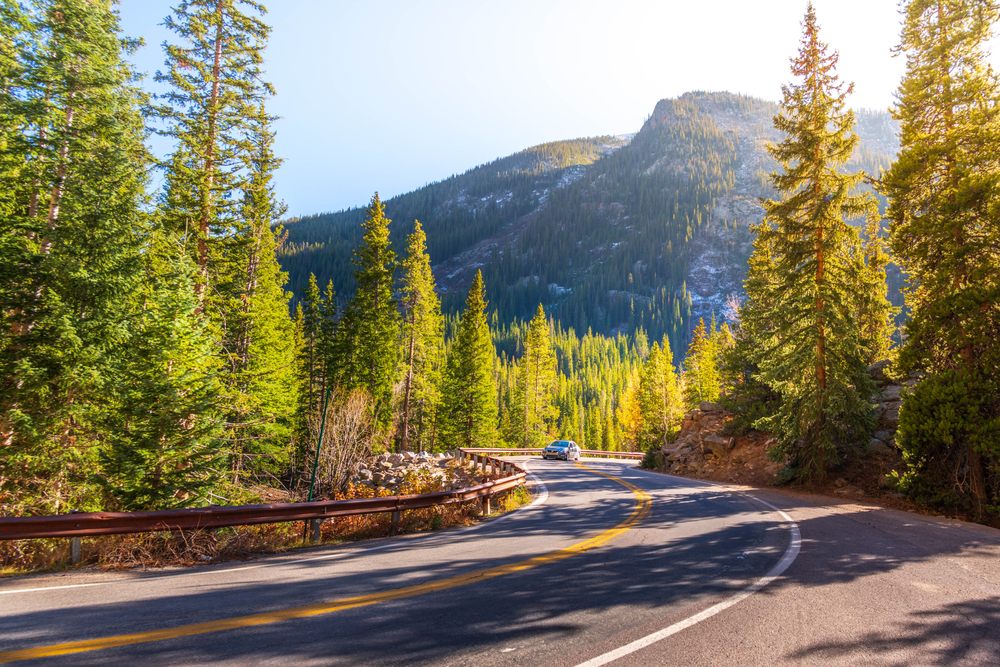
(389, 95)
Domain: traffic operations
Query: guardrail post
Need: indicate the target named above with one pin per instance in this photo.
(394, 522)
(486, 505)
(314, 529)
(74, 550)
(484, 460)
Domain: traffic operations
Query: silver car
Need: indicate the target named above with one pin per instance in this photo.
(562, 449)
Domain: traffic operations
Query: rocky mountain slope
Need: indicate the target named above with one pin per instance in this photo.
(611, 233)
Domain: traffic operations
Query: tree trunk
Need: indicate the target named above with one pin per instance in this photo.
(205, 213)
(409, 380)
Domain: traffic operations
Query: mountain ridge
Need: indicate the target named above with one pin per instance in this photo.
(609, 233)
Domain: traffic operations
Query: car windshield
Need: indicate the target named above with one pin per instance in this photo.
(559, 444)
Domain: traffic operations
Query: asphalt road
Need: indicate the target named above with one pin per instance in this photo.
(644, 569)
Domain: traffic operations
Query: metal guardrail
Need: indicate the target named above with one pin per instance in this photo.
(84, 524)
(538, 451)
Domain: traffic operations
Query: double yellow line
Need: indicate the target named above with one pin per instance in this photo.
(643, 502)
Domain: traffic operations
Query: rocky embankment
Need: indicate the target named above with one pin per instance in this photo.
(391, 470)
(703, 451)
(888, 401)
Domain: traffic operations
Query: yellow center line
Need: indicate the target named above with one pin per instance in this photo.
(640, 510)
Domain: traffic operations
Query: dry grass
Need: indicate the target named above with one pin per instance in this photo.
(187, 548)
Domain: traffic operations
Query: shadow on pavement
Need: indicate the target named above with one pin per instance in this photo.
(699, 542)
(964, 633)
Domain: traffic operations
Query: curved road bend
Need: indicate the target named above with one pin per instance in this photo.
(613, 559)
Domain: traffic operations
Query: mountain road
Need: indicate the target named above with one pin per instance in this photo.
(609, 565)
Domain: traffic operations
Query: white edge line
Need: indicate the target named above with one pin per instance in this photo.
(543, 495)
(794, 546)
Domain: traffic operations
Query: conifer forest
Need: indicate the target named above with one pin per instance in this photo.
(170, 338)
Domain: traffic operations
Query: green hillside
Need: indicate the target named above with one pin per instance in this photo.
(456, 212)
(611, 235)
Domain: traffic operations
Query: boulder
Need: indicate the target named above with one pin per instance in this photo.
(890, 393)
(890, 417)
(716, 445)
(877, 370)
(884, 436)
(708, 406)
(365, 474)
(878, 448)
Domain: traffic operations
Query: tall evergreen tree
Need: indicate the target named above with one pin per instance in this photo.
(660, 396)
(875, 314)
(423, 339)
(814, 357)
(71, 234)
(371, 321)
(219, 198)
(629, 413)
(944, 191)
(536, 383)
(162, 417)
(468, 412)
(312, 306)
(259, 344)
(749, 397)
(702, 381)
(215, 90)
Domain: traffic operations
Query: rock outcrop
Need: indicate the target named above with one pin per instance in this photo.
(390, 470)
(701, 446)
(888, 400)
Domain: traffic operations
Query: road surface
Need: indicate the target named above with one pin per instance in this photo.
(610, 565)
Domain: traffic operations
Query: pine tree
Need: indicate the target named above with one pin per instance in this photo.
(371, 321)
(331, 342)
(71, 234)
(749, 398)
(813, 357)
(215, 90)
(943, 192)
(629, 413)
(724, 342)
(311, 318)
(660, 396)
(469, 403)
(701, 372)
(259, 345)
(423, 339)
(163, 421)
(536, 384)
(875, 314)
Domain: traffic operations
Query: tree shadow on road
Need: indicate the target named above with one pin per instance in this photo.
(961, 633)
(698, 544)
